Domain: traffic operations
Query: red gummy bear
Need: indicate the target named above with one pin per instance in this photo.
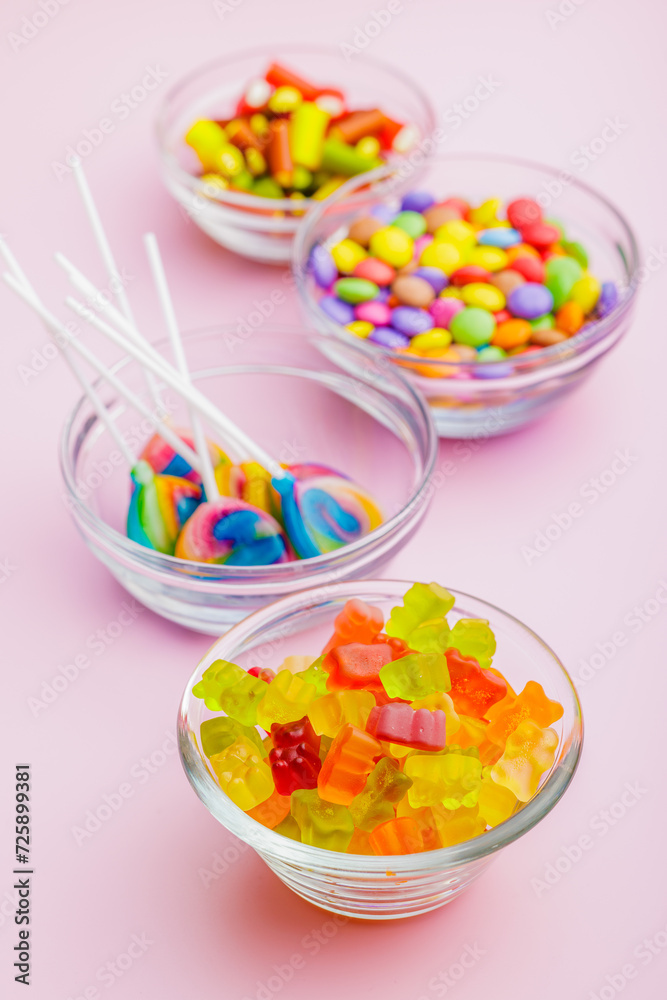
(295, 761)
(357, 622)
(399, 723)
(356, 665)
(473, 690)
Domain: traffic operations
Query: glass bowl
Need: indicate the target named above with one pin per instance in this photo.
(255, 227)
(287, 390)
(482, 400)
(357, 885)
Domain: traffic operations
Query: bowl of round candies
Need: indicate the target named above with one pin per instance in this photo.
(249, 144)
(377, 743)
(495, 294)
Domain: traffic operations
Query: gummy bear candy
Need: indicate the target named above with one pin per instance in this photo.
(322, 824)
(430, 637)
(398, 723)
(289, 828)
(456, 825)
(415, 676)
(242, 774)
(422, 603)
(220, 732)
(360, 843)
(440, 700)
(357, 622)
(496, 803)
(397, 836)
(529, 752)
(297, 664)
(287, 699)
(356, 665)
(473, 690)
(473, 637)
(294, 759)
(347, 765)
(227, 688)
(533, 704)
(385, 787)
(425, 820)
(315, 674)
(330, 713)
(451, 779)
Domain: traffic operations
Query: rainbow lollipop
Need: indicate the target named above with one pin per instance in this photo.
(233, 532)
(159, 507)
(167, 462)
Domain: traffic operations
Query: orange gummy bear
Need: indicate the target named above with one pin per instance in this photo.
(346, 767)
(533, 704)
(397, 836)
(357, 622)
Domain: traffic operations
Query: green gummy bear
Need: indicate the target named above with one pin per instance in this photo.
(422, 603)
(415, 676)
(287, 699)
(317, 675)
(452, 780)
(322, 824)
(385, 787)
(228, 688)
(431, 637)
(219, 733)
(473, 637)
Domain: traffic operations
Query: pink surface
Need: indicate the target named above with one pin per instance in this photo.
(599, 590)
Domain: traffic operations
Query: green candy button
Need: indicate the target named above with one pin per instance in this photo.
(355, 290)
(472, 326)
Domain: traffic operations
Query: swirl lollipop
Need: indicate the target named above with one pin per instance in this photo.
(163, 459)
(159, 507)
(233, 532)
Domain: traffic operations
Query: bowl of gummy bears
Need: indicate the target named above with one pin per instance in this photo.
(496, 284)
(378, 742)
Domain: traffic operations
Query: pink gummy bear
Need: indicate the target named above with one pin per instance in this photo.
(397, 722)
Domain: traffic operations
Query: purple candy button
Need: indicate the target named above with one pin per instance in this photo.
(417, 201)
(608, 298)
(530, 300)
(386, 336)
(436, 278)
(322, 266)
(411, 321)
(383, 213)
(336, 309)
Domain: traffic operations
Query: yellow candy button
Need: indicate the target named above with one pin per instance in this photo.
(360, 327)
(490, 258)
(347, 254)
(478, 293)
(446, 256)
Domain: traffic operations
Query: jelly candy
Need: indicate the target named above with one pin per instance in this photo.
(286, 699)
(227, 688)
(423, 602)
(272, 811)
(442, 701)
(496, 802)
(357, 622)
(533, 704)
(425, 820)
(315, 674)
(356, 665)
(220, 732)
(399, 723)
(456, 825)
(416, 675)
(294, 759)
(346, 767)
(243, 775)
(473, 690)
(322, 823)
(330, 713)
(385, 787)
(451, 779)
(397, 836)
(529, 752)
(473, 637)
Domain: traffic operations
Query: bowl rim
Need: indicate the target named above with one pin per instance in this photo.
(220, 573)
(571, 350)
(292, 852)
(241, 200)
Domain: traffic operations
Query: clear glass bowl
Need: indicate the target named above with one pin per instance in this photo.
(249, 225)
(289, 392)
(483, 400)
(357, 885)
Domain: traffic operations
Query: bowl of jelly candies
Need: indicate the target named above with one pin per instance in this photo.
(378, 742)
(496, 284)
(249, 144)
(297, 395)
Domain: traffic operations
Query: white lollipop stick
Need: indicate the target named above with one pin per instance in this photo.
(115, 280)
(95, 401)
(160, 279)
(189, 393)
(180, 447)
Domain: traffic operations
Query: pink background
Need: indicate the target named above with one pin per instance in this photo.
(140, 874)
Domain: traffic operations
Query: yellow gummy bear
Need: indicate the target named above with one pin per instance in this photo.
(243, 775)
(456, 825)
(286, 700)
(529, 752)
(496, 803)
(451, 779)
(330, 713)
